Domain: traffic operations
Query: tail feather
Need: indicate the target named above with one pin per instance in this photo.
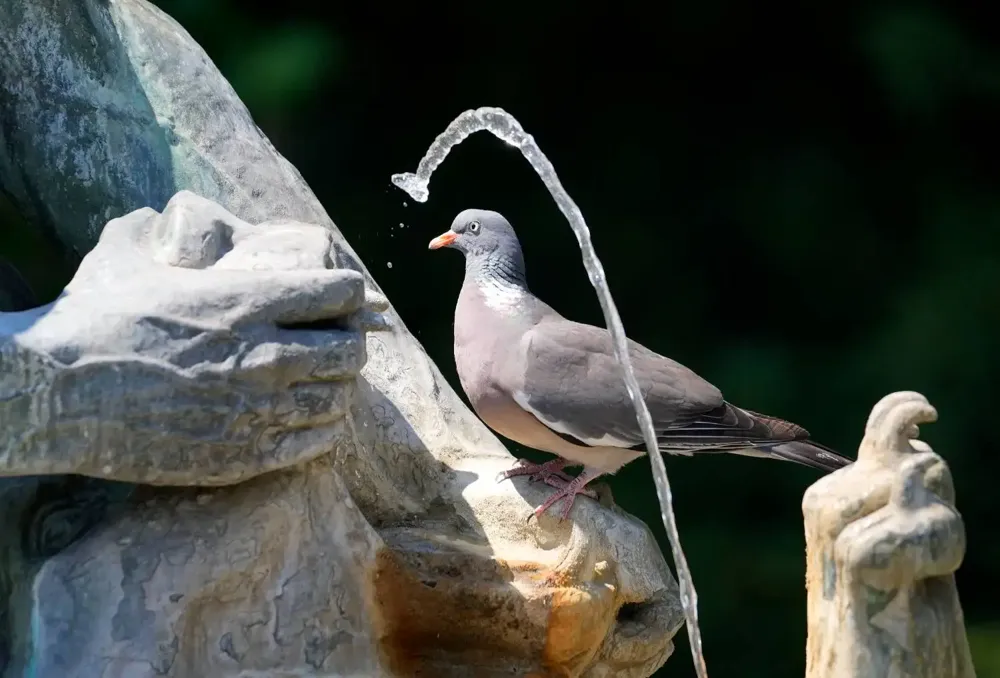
(799, 447)
(809, 453)
(734, 430)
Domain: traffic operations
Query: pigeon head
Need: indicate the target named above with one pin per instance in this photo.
(478, 233)
(488, 242)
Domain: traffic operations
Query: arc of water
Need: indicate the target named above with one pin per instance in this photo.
(506, 128)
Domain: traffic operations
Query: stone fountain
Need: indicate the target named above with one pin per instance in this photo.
(223, 454)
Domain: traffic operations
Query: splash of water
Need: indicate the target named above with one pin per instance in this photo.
(506, 128)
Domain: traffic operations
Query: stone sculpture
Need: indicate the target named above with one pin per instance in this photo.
(883, 540)
(183, 497)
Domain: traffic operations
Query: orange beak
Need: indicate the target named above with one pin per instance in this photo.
(443, 240)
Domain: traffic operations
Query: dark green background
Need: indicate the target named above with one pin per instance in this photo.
(800, 203)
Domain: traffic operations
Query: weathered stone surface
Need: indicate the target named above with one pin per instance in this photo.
(883, 540)
(167, 360)
(392, 552)
(265, 576)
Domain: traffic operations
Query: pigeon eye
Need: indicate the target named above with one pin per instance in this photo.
(474, 226)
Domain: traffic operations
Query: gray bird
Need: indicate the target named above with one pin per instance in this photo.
(554, 385)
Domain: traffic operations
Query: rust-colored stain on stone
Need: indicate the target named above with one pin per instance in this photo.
(556, 578)
(579, 620)
(439, 614)
(450, 615)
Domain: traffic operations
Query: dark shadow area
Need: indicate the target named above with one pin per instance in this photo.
(327, 324)
(34, 266)
(15, 293)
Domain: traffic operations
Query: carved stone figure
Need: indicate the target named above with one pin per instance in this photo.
(883, 540)
(223, 453)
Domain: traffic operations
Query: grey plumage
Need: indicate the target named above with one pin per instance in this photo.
(553, 384)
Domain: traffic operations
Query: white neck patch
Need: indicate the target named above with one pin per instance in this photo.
(501, 296)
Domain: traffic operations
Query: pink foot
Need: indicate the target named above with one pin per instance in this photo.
(552, 469)
(568, 491)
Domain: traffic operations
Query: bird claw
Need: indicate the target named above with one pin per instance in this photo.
(548, 476)
(564, 482)
(552, 475)
(543, 472)
(567, 491)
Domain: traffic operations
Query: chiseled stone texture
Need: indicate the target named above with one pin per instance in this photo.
(264, 578)
(169, 360)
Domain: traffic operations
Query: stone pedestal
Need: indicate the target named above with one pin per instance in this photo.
(883, 540)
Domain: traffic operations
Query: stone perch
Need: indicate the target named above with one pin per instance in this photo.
(223, 453)
(883, 540)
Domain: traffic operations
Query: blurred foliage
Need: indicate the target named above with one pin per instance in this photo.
(799, 202)
(985, 642)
